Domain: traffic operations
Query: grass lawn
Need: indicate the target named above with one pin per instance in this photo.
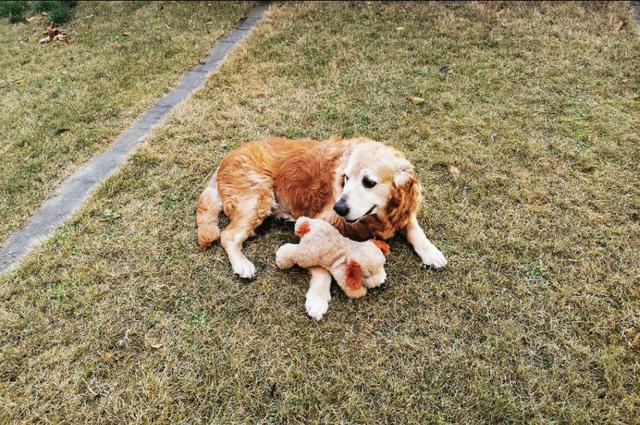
(121, 318)
(63, 103)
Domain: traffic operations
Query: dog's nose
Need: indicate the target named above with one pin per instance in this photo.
(341, 207)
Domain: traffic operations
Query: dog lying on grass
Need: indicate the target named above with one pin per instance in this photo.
(356, 266)
(361, 187)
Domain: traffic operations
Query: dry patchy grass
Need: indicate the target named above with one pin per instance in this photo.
(121, 318)
(63, 103)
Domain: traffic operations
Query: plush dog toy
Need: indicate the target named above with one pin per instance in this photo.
(356, 266)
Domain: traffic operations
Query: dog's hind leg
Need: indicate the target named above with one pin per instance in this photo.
(207, 214)
(247, 215)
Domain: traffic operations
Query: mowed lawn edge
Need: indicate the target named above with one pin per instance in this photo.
(63, 103)
(120, 317)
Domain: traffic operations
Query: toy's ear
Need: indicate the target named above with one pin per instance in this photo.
(302, 228)
(353, 277)
(381, 245)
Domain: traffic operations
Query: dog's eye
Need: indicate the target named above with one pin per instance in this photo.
(368, 183)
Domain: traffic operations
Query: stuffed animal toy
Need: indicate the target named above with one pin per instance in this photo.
(356, 266)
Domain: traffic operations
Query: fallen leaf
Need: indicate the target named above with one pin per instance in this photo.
(618, 26)
(20, 82)
(455, 171)
(400, 29)
(156, 345)
(632, 337)
(53, 33)
(61, 37)
(126, 34)
(415, 100)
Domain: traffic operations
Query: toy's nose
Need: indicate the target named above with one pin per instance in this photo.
(341, 207)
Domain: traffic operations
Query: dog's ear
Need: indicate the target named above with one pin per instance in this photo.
(404, 174)
(381, 245)
(405, 197)
(353, 276)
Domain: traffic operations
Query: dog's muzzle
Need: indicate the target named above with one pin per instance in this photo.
(362, 216)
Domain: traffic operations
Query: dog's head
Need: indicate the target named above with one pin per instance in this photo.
(375, 179)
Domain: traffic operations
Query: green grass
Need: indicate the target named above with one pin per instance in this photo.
(14, 11)
(57, 12)
(63, 103)
(121, 318)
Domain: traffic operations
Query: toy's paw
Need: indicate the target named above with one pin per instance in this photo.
(355, 293)
(243, 268)
(433, 257)
(375, 280)
(316, 305)
(282, 259)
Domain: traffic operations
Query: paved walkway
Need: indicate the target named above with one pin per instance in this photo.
(635, 5)
(76, 189)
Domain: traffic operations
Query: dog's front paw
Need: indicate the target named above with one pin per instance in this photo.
(316, 305)
(243, 268)
(433, 257)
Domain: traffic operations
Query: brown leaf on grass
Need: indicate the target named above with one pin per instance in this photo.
(455, 171)
(415, 100)
(126, 34)
(618, 26)
(156, 345)
(53, 33)
(632, 337)
(61, 37)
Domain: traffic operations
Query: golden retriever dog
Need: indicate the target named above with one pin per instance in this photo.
(363, 188)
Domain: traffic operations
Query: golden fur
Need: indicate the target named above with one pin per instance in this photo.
(361, 187)
(304, 175)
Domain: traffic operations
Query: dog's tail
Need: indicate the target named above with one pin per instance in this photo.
(207, 213)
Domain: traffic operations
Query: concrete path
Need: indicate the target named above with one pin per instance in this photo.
(635, 6)
(76, 189)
